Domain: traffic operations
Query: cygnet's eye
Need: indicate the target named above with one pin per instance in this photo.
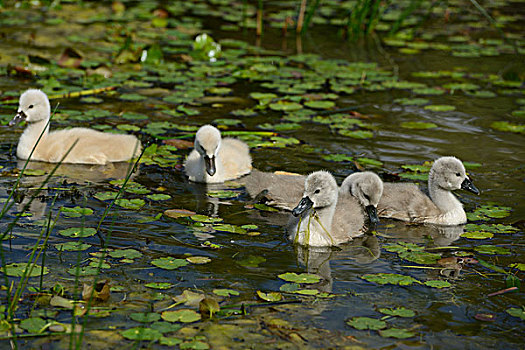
(367, 197)
(458, 174)
(317, 191)
(30, 106)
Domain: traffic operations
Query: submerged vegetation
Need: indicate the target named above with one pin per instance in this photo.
(132, 254)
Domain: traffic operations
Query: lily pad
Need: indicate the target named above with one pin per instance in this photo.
(145, 317)
(169, 263)
(141, 333)
(285, 106)
(78, 232)
(105, 195)
(251, 261)
(400, 312)
(486, 212)
(74, 246)
(270, 296)
(299, 278)
(33, 325)
(158, 197)
(440, 108)
(223, 194)
(204, 218)
(198, 259)
(133, 204)
(398, 333)
(418, 125)
(76, 212)
(366, 323)
(477, 235)
(159, 285)
(437, 284)
(390, 278)
(181, 315)
(125, 253)
(510, 127)
(225, 292)
(17, 270)
(319, 104)
(411, 101)
(491, 250)
(516, 312)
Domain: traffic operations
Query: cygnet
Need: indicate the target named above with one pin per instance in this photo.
(405, 201)
(215, 160)
(92, 146)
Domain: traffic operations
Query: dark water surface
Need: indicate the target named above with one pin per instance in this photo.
(444, 317)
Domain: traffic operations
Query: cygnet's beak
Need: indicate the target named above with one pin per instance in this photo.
(305, 204)
(469, 186)
(372, 214)
(19, 117)
(210, 165)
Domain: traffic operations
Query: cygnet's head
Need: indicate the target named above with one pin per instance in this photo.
(207, 143)
(33, 107)
(367, 187)
(449, 174)
(320, 190)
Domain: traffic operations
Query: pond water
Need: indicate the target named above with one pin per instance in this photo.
(469, 83)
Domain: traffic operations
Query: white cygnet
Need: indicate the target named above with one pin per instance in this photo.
(405, 201)
(92, 146)
(215, 160)
(328, 216)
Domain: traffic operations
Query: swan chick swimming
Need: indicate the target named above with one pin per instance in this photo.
(215, 160)
(92, 146)
(328, 216)
(405, 201)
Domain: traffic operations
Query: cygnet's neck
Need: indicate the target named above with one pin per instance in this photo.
(444, 199)
(31, 135)
(316, 227)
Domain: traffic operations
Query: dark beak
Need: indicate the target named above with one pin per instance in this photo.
(210, 165)
(305, 204)
(372, 214)
(469, 186)
(19, 117)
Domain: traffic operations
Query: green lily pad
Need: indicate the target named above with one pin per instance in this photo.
(105, 195)
(145, 317)
(158, 197)
(223, 194)
(133, 204)
(411, 101)
(170, 341)
(76, 212)
(506, 126)
(225, 292)
(369, 161)
(285, 106)
(477, 235)
(400, 312)
(337, 157)
(516, 312)
(519, 266)
(299, 278)
(169, 263)
(319, 104)
(33, 325)
(17, 270)
(141, 333)
(357, 134)
(437, 284)
(181, 315)
(75, 246)
(418, 125)
(390, 278)
(487, 212)
(125, 253)
(198, 259)
(419, 257)
(159, 285)
(251, 261)
(204, 218)
(230, 228)
(428, 91)
(132, 97)
(366, 323)
(440, 108)
(78, 232)
(194, 345)
(398, 333)
(84, 271)
(491, 250)
(270, 296)
(34, 172)
(264, 207)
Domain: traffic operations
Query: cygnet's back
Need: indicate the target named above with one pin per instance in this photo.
(280, 190)
(215, 160)
(408, 203)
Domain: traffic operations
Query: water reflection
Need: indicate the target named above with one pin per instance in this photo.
(432, 235)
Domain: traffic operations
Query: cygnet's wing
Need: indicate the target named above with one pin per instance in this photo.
(405, 201)
(235, 158)
(348, 220)
(279, 190)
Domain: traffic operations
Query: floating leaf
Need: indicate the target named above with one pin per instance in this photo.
(369, 161)
(398, 333)
(158, 197)
(125, 253)
(78, 232)
(182, 315)
(169, 341)
(400, 312)
(198, 259)
(75, 246)
(169, 263)
(299, 278)
(440, 108)
(357, 134)
(519, 266)
(225, 292)
(491, 250)
(337, 157)
(145, 317)
(493, 228)
(133, 204)
(390, 278)
(33, 325)
(437, 284)
(223, 194)
(178, 213)
(486, 212)
(76, 212)
(506, 126)
(477, 235)
(230, 228)
(319, 104)
(285, 106)
(105, 195)
(270, 296)
(412, 101)
(204, 218)
(251, 261)
(366, 323)
(141, 333)
(514, 311)
(418, 125)
(159, 285)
